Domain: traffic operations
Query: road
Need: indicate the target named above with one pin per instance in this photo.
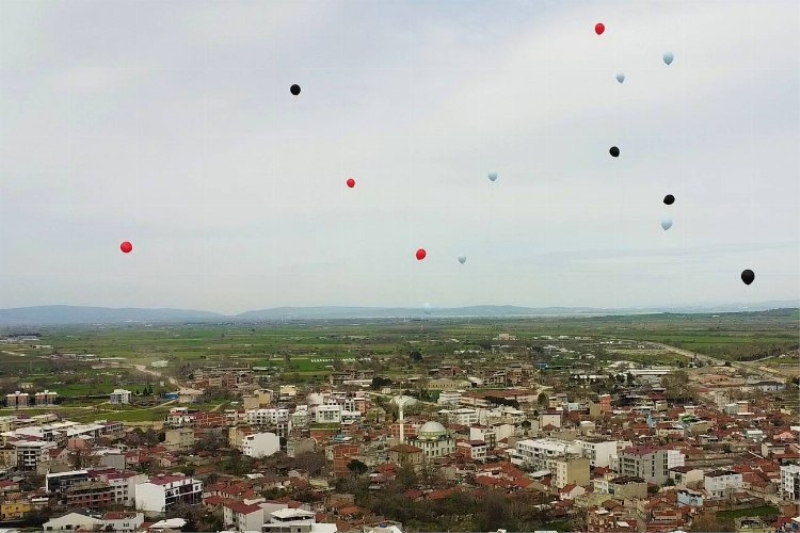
(765, 372)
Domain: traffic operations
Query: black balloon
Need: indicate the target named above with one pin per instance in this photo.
(614, 151)
(295, 89)
(748, 276)
(669, 199)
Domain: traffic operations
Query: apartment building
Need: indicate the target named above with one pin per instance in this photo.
(164, 492)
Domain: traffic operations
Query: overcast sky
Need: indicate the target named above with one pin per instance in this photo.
(170, 124)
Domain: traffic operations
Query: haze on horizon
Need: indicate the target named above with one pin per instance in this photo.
(171, 125)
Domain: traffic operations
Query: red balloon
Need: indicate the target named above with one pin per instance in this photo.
(351, 183)
(126, 247)
(599, 28)
(421, 253)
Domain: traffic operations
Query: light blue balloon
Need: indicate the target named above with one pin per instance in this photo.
(492, 176)
(620, 77)
(666, 223)
(668, 57)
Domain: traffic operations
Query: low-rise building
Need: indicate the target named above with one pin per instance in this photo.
(718, 482)
(164, 492)
(260, 444)
(120, 396)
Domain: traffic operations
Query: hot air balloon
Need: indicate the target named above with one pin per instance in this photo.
(668, 57)
(427, 308)
(126, 247)
(351, 183)
(294, 89)
(492, 176)
(421, 253)
(599, 28)
(620, 77)
(666, 223)
(614, 151)
(462, 259)
(748, 276)
(669, 199)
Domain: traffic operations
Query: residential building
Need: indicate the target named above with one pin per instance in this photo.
(45, 398)
(571, 470)
(123, 485)
(463, 416)
(327, 414)
(120, 396)
(32, 453)
(535, 453)
(449, 397)
(790, 482)
(14, 509)
(718, 482)
(243, 517)
(295, 521)
(164, 492)
(72, 522)
(17, 399)
(179, 439)
(89, 494)
(123, 522)
(598, 451)
(690, 498)
(260, 444)
(406, 454)
(59, 482)
(473, 449)
(650, 464)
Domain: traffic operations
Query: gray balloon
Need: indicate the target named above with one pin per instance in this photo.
(462, 259)
(668, 57)
(666, 223)
(492, 176)
(620, 77)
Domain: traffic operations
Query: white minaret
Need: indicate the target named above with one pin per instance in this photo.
(401, 402)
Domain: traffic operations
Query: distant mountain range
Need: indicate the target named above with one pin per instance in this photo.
(69, 315)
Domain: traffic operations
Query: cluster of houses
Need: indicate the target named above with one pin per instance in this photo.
(631, 462)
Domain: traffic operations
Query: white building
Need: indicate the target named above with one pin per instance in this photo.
(72, 522)
(123, 485)
(463, 416)
(123, 522)
(790, 482)
(120, 396)
(449, 397)
(295, 521)
(599, 453)
(260, 444)
(327, 414)
(717, 482)
(536, 452)
(675, 459)
(164, 492)
(242, 516)
(32, 453)
(264, 417)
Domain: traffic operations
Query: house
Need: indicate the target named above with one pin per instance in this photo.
(164, 492)
(405, 454)
(260, 445)
(72, 522)
(295, 521)
(690, 498)
(242, 516)
(571, 492)
(123, 522)
(14, 509)
(120, 396)
(717, 483)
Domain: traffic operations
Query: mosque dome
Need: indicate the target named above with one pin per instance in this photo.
(431, 430)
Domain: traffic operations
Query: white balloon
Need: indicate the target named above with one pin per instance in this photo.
(666, 223)
(668, 57)
(492, 176)
(462, 259)
(620, 77)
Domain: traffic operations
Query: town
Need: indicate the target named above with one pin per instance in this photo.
(597, 425)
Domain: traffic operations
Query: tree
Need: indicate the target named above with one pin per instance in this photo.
(677, 386)
(379, 382)
(542, 399)
(357, 467)
(416, 356)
